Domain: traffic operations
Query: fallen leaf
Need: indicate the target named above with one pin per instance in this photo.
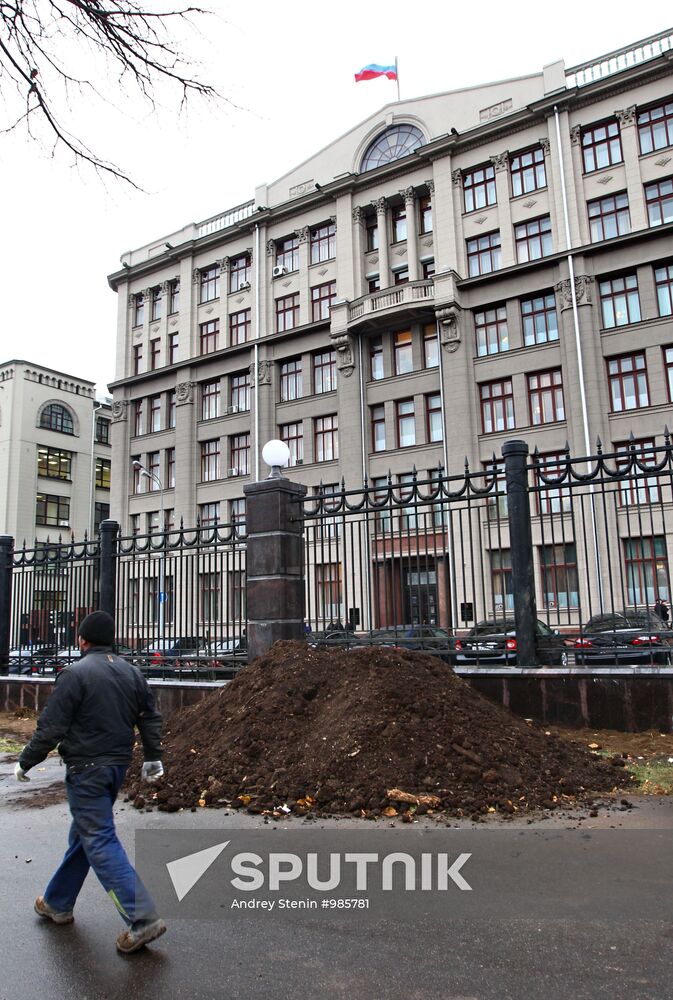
(390, 811)
(202, 802)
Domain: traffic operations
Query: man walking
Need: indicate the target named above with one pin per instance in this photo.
(91, 715)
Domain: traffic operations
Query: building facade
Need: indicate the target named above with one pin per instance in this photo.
(455, 271)
(55, 454)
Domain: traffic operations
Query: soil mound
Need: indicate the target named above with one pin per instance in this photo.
(364, 732)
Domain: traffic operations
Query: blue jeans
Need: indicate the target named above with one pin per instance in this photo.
(93, 843)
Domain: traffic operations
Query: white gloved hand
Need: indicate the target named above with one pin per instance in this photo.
(20, 774)
(152, 771)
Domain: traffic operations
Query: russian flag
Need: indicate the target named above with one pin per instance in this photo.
(372, 71)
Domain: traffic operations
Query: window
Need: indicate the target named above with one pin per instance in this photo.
(210, 461)
(209, 514)
(560, 583)
(154, 414)
(404, 362)
(239, 272)
(381, 493)
(237, 515)
(328, 592)
(152, 525)
(497, 406)
(102, 430)
(636, 488)
(663, 279)
(483, 254)
(494, 481)
(538, 316)
(136, 473)
(103, 473)
(290, 380)
(533, 239)
(172, 348)
(409, 515)
(601, 146)
(52, 510)
(55, 417)
(427, 269)
(239, 454)
(479, 188)
(239, 391)
(491, 329)
(170, 468)
(210, 399)
(371, 232)
(646, 566)
(209, 592)
(609, 217)
(138, 309)
(440, 512)
(405, 420)
(287, 253)
(174, 296)
(322, 297)
(527, 171)
(378, 427)
(430, 347)
(659, 200)
(154, 469)
(376, 358)
(53, 463)
(209, 334)
(171, 409)
(392, 144)
(655, 127)
(668, 365)
(620, 304)
(553, 499)
(326, 439)
(425, 214)
(156, 303)
(324, 371)
(287, 312)
(323, 243)
(293, 436)
(169, 525)
(137, 358)
(134, 525)
(373, 284)
(545, 397)
(401, 275)
(138, 421)
(155, 353)
(101, 513)
(239, 327)
(627, 376)
(501, 580)
(209, 284)
(398, 217)
(433, 411)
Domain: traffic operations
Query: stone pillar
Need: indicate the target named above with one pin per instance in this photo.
(631, 154)
(274, 566)
(187, 451)
(501, 164)
(409, 196)
(381, 206)
(358, 244)
(6, 565)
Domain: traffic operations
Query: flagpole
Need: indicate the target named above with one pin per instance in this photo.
(397, 78)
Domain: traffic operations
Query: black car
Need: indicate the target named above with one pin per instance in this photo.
(493, 643)
(623, 638)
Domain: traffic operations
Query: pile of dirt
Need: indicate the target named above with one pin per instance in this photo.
(365, 732)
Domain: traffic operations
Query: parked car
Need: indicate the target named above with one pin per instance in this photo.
(625, 637)
(36, 659)
(221, 661)
(160, 656)
(492, 642)
(423, 638)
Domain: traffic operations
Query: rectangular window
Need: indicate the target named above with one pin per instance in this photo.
(324, 371)
(527, 171)
(328, 592)
(138, 309)
(171, 408)
(545, 397)
(210, 399)
(483, 254)
(405, 420)
(209, 284)
(237, 515)
(404, 361)
(172, 348)
(552, 499)
(239, 392)
(376, 358)
(560, 582)
(328, 527)
(373, 284)
(655, 127)
(663, 279)
(433, 410)
(239, 454)
(646, 567)
(102, 430)
(209, 334)
(496, 498)
(620, 304)
(239, 327)
(287, 312)
(659, 200)
(290, 380)
(371, 232)
(430, 347)
(539, 319)
(533, 239)
(174, 296)
(152, 525)
(401, 275)
(52, 510)
(293, 436)
(668, 365)
(209, 593)
(138, 421)
(170, 468)
(502, 580)
(154, 414)
(323, 243)
(53, 463)
(378, 427)
(134, 527)
(137, 359)
(135, 472)
(409, 515)
(425, 214)
(601, 146)
(239, 272)
(479, 188)
(609, 217)
(209, 514)
(497, 406)
(322, 297)
(103, 472)
(326, 438)
(398, 217)
(101, 513)
(636, 487)
(210, 461)
(154, 469)
(287, 253)
(428, 269)
(379, 494)
(491, 329)
(627, 377)
(156, 303)
(155, 353)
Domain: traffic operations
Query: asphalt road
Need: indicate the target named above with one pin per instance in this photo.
(590, 916)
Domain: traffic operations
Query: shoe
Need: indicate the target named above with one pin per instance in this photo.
(43, 908)
(130, 940)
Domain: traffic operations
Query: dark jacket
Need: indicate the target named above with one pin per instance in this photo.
(92, 712)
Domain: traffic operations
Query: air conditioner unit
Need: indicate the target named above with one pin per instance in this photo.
(243, 286)
(232, 472)
(232, 409)
(279, 270)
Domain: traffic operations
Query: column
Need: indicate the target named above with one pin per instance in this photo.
(381, 206)
(501, 163)
(631, 152)
(187, 452)
(357, 241)
(409, 196)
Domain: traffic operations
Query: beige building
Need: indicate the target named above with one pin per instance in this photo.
(55, 454)
(455, 271)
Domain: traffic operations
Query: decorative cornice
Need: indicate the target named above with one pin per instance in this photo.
(223, 264)
(545, 145)
(119, 410)
(184, 393)
(270, 248)
(196, 275)
(380, 204)
(583, 283)
(302, 234)
(500, 161)
(357, 215)
(575, 134)
(457, 178)
(263, 373)
(409, 196)
(430, 185)
(626, 117)
(449, 327)
(345, 353)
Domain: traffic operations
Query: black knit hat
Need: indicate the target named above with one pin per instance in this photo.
(98, 628)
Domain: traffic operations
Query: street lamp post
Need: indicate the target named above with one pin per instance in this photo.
(152, 476)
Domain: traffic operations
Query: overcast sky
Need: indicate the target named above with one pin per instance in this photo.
(289, 68)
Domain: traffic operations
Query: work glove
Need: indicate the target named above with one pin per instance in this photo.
(20, 774)
(152, 771)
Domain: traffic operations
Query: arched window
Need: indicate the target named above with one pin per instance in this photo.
(55, 417)
(395, 142)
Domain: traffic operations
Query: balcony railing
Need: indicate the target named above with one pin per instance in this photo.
(620, 59)
(390, 298)
(225, 220)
